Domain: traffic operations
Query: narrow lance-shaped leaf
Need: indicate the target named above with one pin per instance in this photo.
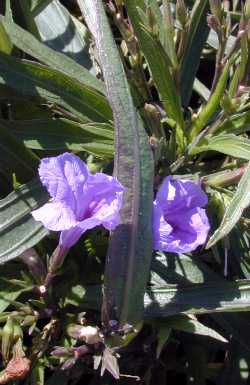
(30, 45)
(64, 134)
(40, 82)
(160, 67)
(18, 230)
(196, 38)
(240, 201)
(128, 259)
(168, 300)
(228, 144)
(212, 297)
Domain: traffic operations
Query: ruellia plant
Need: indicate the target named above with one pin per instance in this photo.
(124, 186)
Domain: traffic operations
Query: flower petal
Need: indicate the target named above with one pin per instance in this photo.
(161, 229)
(64, 177)
(68, 238)
(189, 231)
(180, 194)
(55, 216)
(105, 200)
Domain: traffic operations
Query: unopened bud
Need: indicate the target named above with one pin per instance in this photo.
(216, 9)
(181, 12)
(17, 332)
(34, 264)
(60, 351)
(247, 9)
(29, 320)
(7, 338)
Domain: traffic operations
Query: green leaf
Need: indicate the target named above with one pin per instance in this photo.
(239, 202)
(22, 9)
(159, 65)
(63, 134)
(180, 269)
(228, 144)
(15, 158)
(10, 289)
(56, 60)
(184, 323)
(213, 103)
(168, 300)
(214, 42)
(5, 43)
(40, 82)
(18, 230)
(129, 254)
(196, 38)
(237, 124)
(189, 324)
(163, 333)
(224, 296)
(201, 90)
(60, 30)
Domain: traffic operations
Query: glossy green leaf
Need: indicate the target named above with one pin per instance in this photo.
(168, 300)
(237, 124)
(196, 38)
(56, 60)
(63, 134)
(129, 254)
(224, 296)
(179, 269)
(5, 43)
(228, 144)
(201, 90)
(37, 81)
(192, 325)
(18, 230)
(188, 324)
(239, 202)
(60, 30)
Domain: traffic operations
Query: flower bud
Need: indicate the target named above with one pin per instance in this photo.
(247, 9)
(181, 12)
(60, 351)
(7, 338)
(216, 9)
(34, 264)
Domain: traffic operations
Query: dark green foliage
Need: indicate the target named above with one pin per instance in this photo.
(141, 89)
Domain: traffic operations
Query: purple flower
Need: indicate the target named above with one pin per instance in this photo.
(80, 200)
(179, 223)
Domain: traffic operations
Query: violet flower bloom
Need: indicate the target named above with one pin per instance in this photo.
(80, 200)
(180, 225)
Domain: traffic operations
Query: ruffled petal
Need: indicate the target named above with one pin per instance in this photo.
(55, 216)
(64, 177)
(105, 200)
(161, 229)
(189, 231)
(180, 194)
